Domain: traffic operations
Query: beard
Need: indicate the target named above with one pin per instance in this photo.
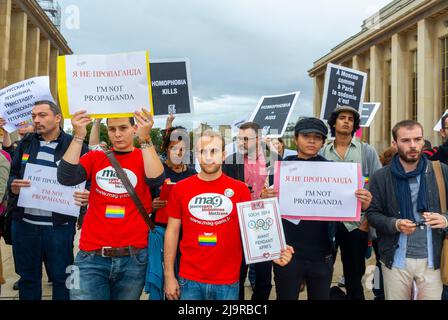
(210, 169)
(405, 158)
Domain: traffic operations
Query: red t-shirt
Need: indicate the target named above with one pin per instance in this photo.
(112, 219)
(211, 249)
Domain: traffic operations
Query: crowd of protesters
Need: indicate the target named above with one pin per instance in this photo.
(172, 255)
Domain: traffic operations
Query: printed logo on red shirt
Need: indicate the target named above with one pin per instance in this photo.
(109, 181)
(210, 206)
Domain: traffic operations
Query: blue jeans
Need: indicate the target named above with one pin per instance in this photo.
(30, 244)
(100, 278)
(193, 290)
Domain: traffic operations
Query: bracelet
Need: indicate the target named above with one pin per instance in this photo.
(146, 144)
(76, 138)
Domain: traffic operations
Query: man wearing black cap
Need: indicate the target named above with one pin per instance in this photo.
(351, 237)
(312, 240)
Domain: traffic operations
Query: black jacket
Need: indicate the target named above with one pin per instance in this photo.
(385, 210)
(30, 145)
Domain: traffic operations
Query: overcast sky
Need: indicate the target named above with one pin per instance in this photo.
(239, 50)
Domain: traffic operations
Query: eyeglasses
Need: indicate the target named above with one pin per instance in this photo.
(245, 139)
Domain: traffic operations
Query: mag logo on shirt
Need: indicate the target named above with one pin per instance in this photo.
(210, 206)
(108, 180)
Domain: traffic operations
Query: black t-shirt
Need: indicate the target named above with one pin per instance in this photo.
(310, 239)
(174, 177)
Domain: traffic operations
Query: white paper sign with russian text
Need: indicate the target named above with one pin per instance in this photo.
(17, 101)
(46, 193)
(324, 191)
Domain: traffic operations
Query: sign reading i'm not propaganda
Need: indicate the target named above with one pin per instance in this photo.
(171, 87)
(343, 87)
(273, 112)
(311, 190)
(107, 86)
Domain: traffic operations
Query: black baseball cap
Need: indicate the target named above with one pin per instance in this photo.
(310, 125)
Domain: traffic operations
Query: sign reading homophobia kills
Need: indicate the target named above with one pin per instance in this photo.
(171, 87)
(273, 112)
(343, 87)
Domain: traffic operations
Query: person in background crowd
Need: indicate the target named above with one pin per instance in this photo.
(5, 166)
(250, 165)
(211, 253)
(406, 214)
(351, 237)
(278, 146)
(440, 153)
(387, 156)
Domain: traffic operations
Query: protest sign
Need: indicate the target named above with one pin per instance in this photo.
(261, 230)
(273, 112)
(439, 123)
(171, 87)
(46, 193)
(343, 87)
(310, 190)
(107, 86)
(17, 101)
(368, 112)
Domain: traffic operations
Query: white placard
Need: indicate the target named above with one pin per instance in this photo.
(105, 85)
(46, 193)
(313, 190)
(439, 123)
(17, 101)
(261, 230)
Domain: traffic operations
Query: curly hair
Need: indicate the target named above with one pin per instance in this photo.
(332, 122)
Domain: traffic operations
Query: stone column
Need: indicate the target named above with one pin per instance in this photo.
(5, 26)
(376, 94)
(400, 104)
(17, 48)
(44, 57)
(32, 52)
(318, 90)
(425, 77)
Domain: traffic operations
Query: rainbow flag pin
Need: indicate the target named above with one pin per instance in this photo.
(115, 212)
(208, 240)
(25, 158)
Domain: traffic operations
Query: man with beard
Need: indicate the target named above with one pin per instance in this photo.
(250, 165)
(41, 234)
(211, 250)
(405, 211)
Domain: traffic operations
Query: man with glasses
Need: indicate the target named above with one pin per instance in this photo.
(250, 165)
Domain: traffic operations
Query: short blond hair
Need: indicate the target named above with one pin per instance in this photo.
(210, 134)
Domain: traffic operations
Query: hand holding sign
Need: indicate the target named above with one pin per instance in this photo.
(285, 256)
(80, 121)
(81, 198)
(365, 197)
(145, 121)
(17, 184)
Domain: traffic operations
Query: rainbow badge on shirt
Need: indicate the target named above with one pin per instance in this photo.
(115, 212)
(25, 158)
(208, 240)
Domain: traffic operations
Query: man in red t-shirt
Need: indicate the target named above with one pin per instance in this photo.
(211, 249)
(112, 260)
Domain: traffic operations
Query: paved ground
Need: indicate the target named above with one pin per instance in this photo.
(7, 293)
